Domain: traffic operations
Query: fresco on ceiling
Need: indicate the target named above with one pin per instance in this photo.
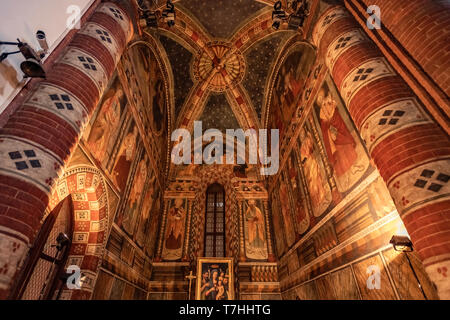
(218, 114)
(300, 206)
(288, 87)
(175, 225)
(254, 230)
(286, 209)
(315, 175)
(125, 156)
(222, 17)
(260, 59)
(101, 134)
(343, 147)
(180, 61)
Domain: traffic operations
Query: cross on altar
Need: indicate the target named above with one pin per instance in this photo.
(190, 277)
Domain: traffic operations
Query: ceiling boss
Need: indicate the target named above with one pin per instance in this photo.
(220, 65)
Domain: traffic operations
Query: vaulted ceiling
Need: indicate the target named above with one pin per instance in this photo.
(221, 54)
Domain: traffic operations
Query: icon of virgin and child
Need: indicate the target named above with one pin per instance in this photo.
(215, 282)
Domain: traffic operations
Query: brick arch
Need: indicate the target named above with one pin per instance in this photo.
(86, 186)
(209, 175)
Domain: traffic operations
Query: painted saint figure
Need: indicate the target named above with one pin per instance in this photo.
(339, 142)
(255, 222)
(126, 154)
(105, 125)
(314, 174)
(175, 225)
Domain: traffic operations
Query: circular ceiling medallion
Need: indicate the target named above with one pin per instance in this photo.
(219, 65)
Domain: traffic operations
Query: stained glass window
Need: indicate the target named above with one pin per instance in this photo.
(215, 221)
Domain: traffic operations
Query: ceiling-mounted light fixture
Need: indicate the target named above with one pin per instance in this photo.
(31, 67)
(169, 14)
(278, 15)
(301, 12)
(149, 19)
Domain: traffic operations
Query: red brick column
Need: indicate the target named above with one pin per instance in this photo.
(38, 138)
(423, 28)
(410, 150)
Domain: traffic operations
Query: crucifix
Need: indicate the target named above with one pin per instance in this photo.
(190, 277)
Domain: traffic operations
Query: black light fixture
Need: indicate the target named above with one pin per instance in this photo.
(149, 19)
(401, 243)
(404, 244)
(31, 67)
(301, 12)
(62, 241)
(169, 14)
(296, 20)
(278, 15)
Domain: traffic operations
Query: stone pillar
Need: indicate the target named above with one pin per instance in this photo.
(39, 137)
(411, 151)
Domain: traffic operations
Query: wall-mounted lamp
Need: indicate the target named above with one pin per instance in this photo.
(31, 67)
(401, 243)
(404, 244)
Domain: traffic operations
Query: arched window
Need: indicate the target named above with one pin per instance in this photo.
(41, 277)
(215, 221)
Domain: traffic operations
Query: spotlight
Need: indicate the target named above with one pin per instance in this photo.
(149, 19)
(31, 67)
(301, 12)
(168, 14)
(42, 39)
(278, 15)
(401, 243)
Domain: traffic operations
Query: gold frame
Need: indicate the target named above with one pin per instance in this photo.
(202, 261)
